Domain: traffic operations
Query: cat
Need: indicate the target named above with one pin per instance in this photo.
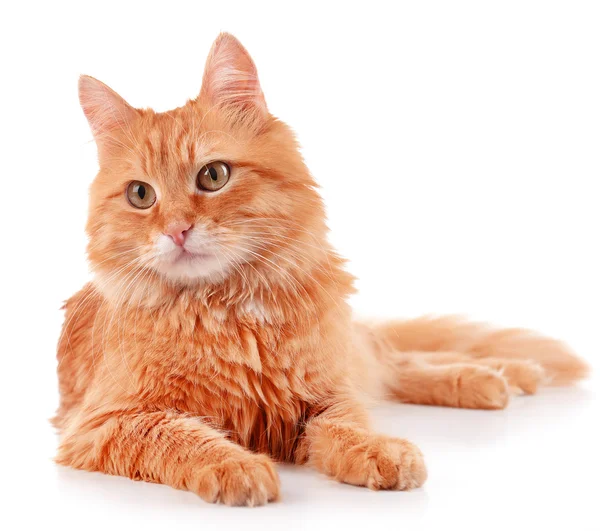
(215, 337)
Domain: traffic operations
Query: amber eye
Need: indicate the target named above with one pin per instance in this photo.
(213, 176)
(140, 195)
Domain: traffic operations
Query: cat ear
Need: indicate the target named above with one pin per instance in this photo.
(230, 77)
(104, 109)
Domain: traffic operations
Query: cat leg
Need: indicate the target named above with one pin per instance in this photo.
(522, 375)
(448, 382)
(339, 443)
(480, 341)
(174, 449)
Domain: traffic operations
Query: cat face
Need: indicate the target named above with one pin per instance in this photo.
(209, 190)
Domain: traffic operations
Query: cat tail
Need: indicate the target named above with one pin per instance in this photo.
(479, 341)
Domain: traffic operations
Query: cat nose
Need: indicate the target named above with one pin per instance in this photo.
(177, 232)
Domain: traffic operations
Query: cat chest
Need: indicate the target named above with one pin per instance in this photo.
(253, 384)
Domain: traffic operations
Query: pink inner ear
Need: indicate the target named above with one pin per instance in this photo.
(104, 109)
(230, 76)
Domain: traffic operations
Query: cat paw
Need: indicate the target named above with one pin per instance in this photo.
(523, 376)
(249, 480)
(481, 388)
(382, 462)
(395, 464)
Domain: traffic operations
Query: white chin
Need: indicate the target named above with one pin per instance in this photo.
(192, 268)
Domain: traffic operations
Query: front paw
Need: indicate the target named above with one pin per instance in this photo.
(243, 480)
(388, 463)
(376, 461)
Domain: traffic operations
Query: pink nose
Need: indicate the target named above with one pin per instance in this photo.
(178, 232)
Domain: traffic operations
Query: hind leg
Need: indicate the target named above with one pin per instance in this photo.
(464, 385)
(523, 376)
(459, 380)
(455, 385)
(481, 342)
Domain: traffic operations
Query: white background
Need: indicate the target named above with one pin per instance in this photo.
(458, 147)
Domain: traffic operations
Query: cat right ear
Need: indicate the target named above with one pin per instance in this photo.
(104, 109)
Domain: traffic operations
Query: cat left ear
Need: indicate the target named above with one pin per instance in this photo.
(230, 77)
(104, 109)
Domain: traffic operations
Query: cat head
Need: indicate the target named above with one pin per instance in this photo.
(212, 190)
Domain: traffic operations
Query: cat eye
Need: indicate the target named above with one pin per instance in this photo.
(140, 194)
(213, 176)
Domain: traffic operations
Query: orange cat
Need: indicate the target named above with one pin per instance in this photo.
(216, 336)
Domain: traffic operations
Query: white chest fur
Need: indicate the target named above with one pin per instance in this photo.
(254, 310)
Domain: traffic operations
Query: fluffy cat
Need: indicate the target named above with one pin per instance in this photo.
(215, 337)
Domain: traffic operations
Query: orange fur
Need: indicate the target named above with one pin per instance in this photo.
(197, 375)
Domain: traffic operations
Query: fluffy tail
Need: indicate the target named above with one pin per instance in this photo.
(480, 341)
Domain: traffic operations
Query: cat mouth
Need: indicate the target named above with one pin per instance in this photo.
(182, 264)
(190, 256)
